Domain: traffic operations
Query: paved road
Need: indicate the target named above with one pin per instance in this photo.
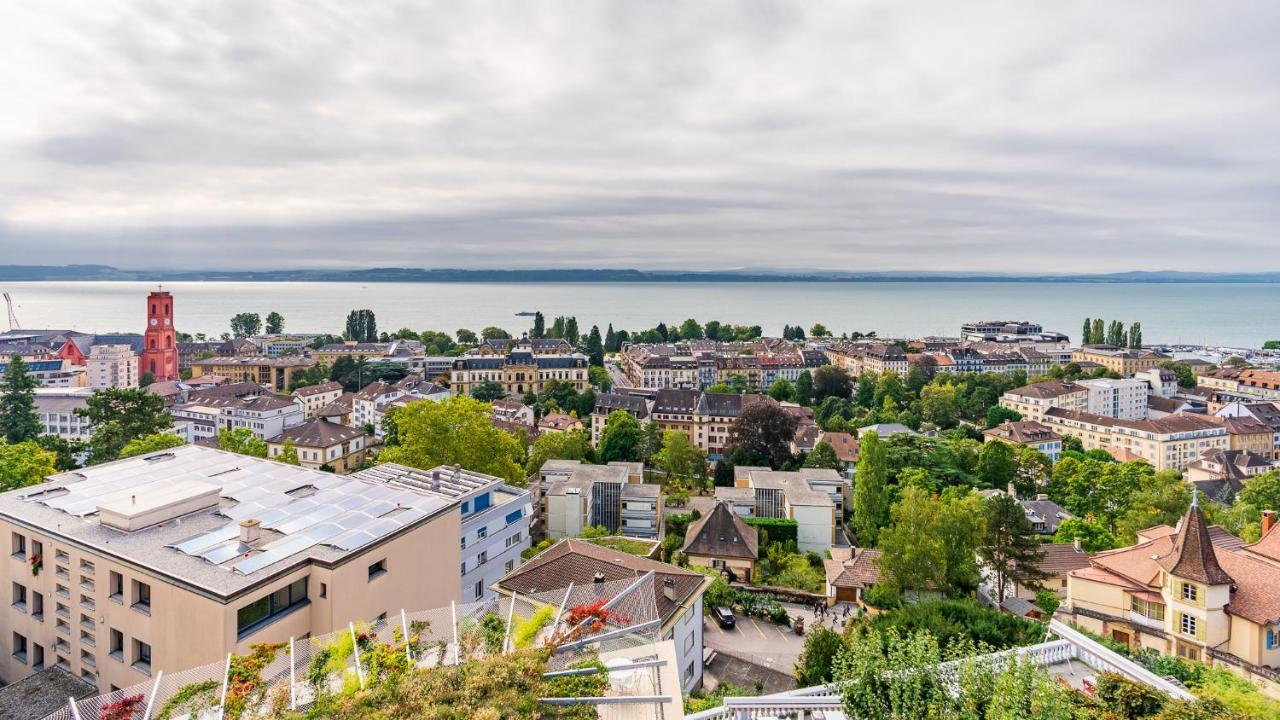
(616, 375)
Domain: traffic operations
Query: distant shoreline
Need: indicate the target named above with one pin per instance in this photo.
(103, 273)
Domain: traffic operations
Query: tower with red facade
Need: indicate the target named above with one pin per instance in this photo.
(160, 353)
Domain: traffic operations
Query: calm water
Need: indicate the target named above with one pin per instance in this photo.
(1222, 314)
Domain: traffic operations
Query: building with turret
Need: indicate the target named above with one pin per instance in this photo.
(159, 351)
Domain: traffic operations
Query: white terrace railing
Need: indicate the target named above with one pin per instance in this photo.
(297, 671)
(1071, 645)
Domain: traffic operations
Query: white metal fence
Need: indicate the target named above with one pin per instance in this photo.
(301, 668)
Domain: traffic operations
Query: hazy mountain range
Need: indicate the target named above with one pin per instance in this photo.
(391, 274)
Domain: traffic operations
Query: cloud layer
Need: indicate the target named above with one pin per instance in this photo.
(884, 135)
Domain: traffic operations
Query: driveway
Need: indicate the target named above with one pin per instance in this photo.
(756, 641)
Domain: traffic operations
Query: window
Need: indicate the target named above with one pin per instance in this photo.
(269, 607)
(483, 557)
(20, 597)
(20, 648)
(514, 539)
(37, 550)
(479, 589)
(466, 507)
(482, 533)
(511, 564)
(141, 656)
(482, 502)
(1273, 639)
(37, 606)
(378, 569)
(324, 590)
(1148, 609)
(513, 517)
(1190, 592)
(37, 656)
(141, 597)
(116, 648)
(1188, 625)
(20, 546)
(115, 586)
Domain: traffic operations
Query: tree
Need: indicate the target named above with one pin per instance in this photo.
(19, 421)
(816, 665)
(1031, 469)
(595, 346)
(723, 475)
(362, 326)
(493, 333)
(275, 323)
(568, 445)
(804, 388)
(831, 381)
(1099, 334)
(650, 441)
(600, 377)
(690, 330)
(242, 441)
(912, 554)
(1262, 491)
(488, 391)
(118, 415)
(466, 337)
(245, 324)
(1086, 335)
(819, 330)
(66, 451)
(763, 431)
(995, 464)
(539, 326)
(150, 444)
(621, 438)
(870, 490)
(782, 390)
(680, 458)
(289, 454)
(455, 431)
(959, 525)
(1093, 536)
(938, 404)
(999, 414)
(822, 456)
(1009, 546)
(1236, 361)
(1186, 376)
(1135, 336)
(611, 344)
(24, 463)
(146, 378)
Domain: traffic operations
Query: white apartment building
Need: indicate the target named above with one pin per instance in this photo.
(314, 397)
(265, 415)
(57, 409)
(812, 497)
(495, 518)
(1121, 399)
(370, 405)
(112, 366)
(573, 496)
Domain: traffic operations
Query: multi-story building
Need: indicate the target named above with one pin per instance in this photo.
(1264, 412)
(707, 418)
(281, 345)
(1264, 384)
(1124, 361)
(1124, 399)
(721, 539)
(275, 373)
(321, 444)
(1027, 433)
(370, 405)
(332, 353)
(858, 358)
(1220, 474)
(537, 346)
(1171, 442)
(1011, 332)
(495, 518)
(519, 372)
(266, 416)
(1032, 401)
(112, 366)
(1193, 591)
(431, 367)
(573, 496)
(676, 592)
(1162, 382)
(173, 560)
(814, 498)
(57, 410)
(314, 397)
(53, 373)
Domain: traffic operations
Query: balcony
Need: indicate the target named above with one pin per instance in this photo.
(1145, 621)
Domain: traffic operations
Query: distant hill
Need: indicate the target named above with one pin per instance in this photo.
(613, 275)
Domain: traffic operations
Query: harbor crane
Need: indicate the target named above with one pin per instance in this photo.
(13, 319)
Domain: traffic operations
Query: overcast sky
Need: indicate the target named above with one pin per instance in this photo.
(1016, 136)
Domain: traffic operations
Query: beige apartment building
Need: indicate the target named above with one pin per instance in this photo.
(1031, 401)
(171, 560)
(1193, 591)
(112, 366)
(1124, 361)
(275, 373)
(1168, 443)
(519, 372)
(313, 398)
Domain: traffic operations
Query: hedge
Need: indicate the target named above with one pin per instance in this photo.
(779, 529)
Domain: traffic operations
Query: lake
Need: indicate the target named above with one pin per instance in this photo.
(1216, 314)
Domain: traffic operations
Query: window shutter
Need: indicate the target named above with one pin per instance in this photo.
(1200, 629)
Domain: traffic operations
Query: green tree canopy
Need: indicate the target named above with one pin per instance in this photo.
(804, 388)
(24, 463)
(1093, 536)
(1009, 547)
(763, 431)
(119, 415)
(621, 438)
(831, 381)
(822, 456)
(870, 491)
(568, 445)
(245, 324)
(242, 441)
(1262, 491)
(288, 454)
(782, 390)
(680, 458)
(455, 431)
(275, 323)
(19, 420)
(913, 556)
(493, 333)
(362, 326)
(996, 466)
(150, 444)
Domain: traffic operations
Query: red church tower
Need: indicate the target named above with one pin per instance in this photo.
(160, 354)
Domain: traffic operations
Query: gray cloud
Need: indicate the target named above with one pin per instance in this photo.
(877, 135)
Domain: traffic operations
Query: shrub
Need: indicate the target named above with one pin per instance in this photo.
(779, 529)
(951, 620)
(190, 699)
(525, 630)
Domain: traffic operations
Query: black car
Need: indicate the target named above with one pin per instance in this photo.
(723, 616)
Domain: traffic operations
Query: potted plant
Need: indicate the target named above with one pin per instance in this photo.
(37, 564)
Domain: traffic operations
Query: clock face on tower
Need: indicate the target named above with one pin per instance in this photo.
(166, 322)
(153, 321)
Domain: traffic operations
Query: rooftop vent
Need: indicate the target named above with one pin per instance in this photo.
(597, 578)
(132, 511)
(250, 531)
(669, 589)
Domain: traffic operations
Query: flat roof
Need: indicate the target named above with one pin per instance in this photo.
(305, 515)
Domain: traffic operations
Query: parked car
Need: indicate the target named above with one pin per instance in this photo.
(723, 616)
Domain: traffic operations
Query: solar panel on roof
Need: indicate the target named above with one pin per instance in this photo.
(352, 539)
(219, 554)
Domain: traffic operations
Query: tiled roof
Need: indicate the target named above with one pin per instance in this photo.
(721, 534)
(845, 445)
(1048, 389)
(318, 389)
(1060, 559)
(318, 433)
(859, 571)
(583, 562)
(1022, 432)
(1193, 556)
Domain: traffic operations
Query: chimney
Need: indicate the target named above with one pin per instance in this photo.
(598, 578)
(669, 589)
(1076, 543)
(435, 480)
(1268, 520)
(1013, 490)
(250, 531)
